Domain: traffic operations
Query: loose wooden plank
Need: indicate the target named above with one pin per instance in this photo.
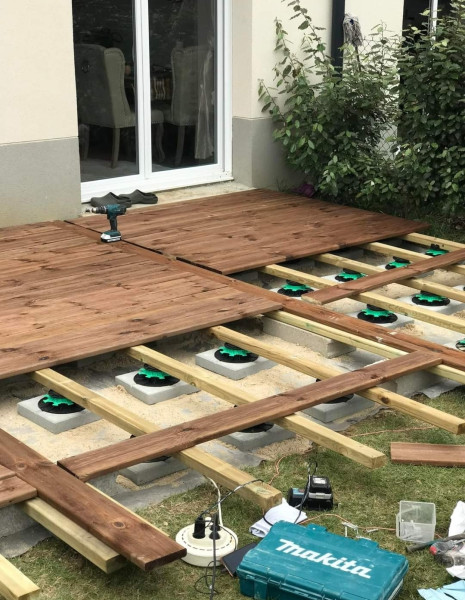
(350, 289)
(14, 490)
(382, 396)
(177, 438)
(231, 392)
(75, 536)
(222, 472)
(14, 585)
(250, 229)
(437, 455)
(119, 528)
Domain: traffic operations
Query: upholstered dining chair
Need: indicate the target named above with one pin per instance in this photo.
(101, 94)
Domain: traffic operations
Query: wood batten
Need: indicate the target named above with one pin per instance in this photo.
(225, 474)
(382, 396)
(185, 435)
(221, 387)
(404, 275)
(14, 585)
(75, 536)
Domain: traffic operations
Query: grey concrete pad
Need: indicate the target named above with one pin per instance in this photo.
(13, 520)
(324, 346)
(450, 309)
(147, 472)
(152, 395)
(278, 288)
(234, 371)
(407, 385)
(251, 441)
(330, 412)
(29, 409)
(402, 320)
(251, 277)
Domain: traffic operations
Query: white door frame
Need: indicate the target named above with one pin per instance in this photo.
(175, 178)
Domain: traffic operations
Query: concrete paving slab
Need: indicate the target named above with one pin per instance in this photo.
(324, 346)
(246, 442)
(402, 320)
(234, 371)
(331, 412)
(29, 409)
(146, 472)
(453, 307)
(152, 395)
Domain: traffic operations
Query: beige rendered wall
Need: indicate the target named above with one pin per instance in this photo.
(254, 152)
(37, 112)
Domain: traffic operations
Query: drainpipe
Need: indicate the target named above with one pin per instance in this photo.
(337, 34)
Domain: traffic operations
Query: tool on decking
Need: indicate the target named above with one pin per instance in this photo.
(112, 211)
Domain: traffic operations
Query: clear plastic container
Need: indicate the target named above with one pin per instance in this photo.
(416, 521)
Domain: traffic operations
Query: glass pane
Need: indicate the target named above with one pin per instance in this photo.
(104, 52)
(183, 41)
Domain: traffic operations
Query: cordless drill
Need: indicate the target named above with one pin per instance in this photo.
(112, 211)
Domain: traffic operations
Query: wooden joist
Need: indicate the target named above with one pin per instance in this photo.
(403, 275)
(14, 585)
(437, 455)
(412, 310)
(225, 474)
(424, 284)
(382, 396)
(74, 535)
(231, 392)
(127, 534)
(185, 435)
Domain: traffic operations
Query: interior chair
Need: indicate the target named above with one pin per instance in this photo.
(101, 94)
(192, 72)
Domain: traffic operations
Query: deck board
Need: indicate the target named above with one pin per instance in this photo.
(65, 296)
(246, 230)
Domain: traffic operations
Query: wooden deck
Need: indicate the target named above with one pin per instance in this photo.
(246, 230)
(65, 297)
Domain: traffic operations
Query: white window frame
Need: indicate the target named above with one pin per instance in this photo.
(146, 180)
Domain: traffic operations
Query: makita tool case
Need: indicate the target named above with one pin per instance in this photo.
(294, 562)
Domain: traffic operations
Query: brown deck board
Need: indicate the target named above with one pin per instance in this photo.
(65, 296)
(437, 455)
(14, 490)
(174, 439)
(110, 522)
(370, 282)
(246, 230)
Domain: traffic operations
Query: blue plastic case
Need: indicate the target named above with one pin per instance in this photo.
(294, 562)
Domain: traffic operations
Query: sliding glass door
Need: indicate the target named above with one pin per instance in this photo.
(151, 80)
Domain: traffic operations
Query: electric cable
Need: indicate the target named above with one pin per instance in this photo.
(307, 487)
(230, 493)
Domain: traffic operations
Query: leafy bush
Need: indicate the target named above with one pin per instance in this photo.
(330, 120)
(431, 161)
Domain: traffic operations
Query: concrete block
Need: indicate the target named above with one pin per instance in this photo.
(450, 309)
(107, 484)
(324, 346)
(234, 371)
(278, 288)
(402, 320)
(248, 277)
(407, 385)
(29, 409)
(330, 412)
(152, 395)
(247, 442)
(300, 264)
(149, 471)
(12, 520)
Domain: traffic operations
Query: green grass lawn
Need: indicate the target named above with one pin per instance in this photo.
(365, 498)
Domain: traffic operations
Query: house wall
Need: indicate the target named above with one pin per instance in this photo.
(39, 157)
(257, 160)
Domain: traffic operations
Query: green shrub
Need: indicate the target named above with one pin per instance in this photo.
(329, 120)
(431, 161)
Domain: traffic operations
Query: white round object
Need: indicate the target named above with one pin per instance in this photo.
(200, 551)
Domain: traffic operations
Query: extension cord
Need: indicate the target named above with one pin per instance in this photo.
(200, 551)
